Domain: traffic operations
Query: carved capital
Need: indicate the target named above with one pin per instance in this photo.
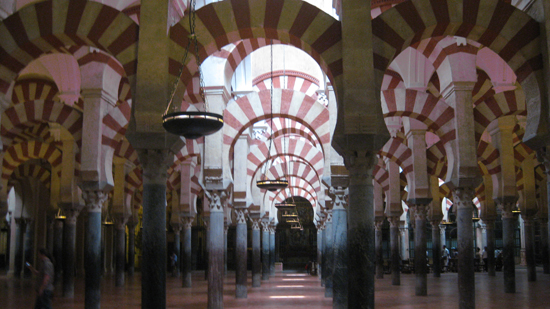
(463, 197)
(506, 207)
(340, 197)
(155, 163)
(265, 226)
(241, 216)
(94, 199)
(255, 223)
(187, 222)
(360, 165)
(394, 221)
(119, 220)
(378, 225)
(216, 198)
(420, 212)
(328, 220)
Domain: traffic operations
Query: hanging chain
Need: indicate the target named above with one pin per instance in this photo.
(192, 37)
(271, 103)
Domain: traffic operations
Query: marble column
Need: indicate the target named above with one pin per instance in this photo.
(131, 247)
(206, 221)
(225, 232)
(509, 223)
(378, 249)
(19, 246)
(490, 234)
(328, 267)
(319, 247)
(108, 244)
(442, 235)
(361, 229)
(153, 240)
(216, 249)
(256, 254)
(58, 248)
(324, 254)
(529, 225)
(436, 248)
(394, 251)
(241, 254)
(466, 276)
(544, 245)
(120, 248)
(28, 247)
(420, 267)
(49, 243)
(94, 201)
(187, 252)
(177, 248)
(272, 250)
(340, 250)
(69, 247)
(265, 250)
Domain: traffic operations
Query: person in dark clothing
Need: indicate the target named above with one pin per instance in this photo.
(44, 280)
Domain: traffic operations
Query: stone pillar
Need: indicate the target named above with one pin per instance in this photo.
(529, 225)
(340, 250)
(544, 245)
(131, 246)
(94, 201)
(319, 227)
(361, 230)
(186, 281)
(120, 248)
(225, 231)
(328, 267)
(206, 221)
(378, 249)
(107, 243)
(256, 254)
(19, 246)
(265, 250)
(466, 278)
(58, 248)
(155, 163)
(215, 249)
(509, 223)
(241, 254)
(69, 246)
(177, 248)
(324, 254)
(490, 240)
(394, 251)
(420, 267)
(442, 235)
(50, 222)
(436, 248)
(272, 249)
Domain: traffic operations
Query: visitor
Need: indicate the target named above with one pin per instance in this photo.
(44, 280)
(484, 258)
(445, 258)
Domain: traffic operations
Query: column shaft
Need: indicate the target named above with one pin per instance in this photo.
(324, 255)
(120, 253)
(240, 252)
(420, 267)
(131, 249)
(378, 251)
(328, 268)
(186, 257)
(490, 233)
(319, 249)
(265, 253)
(340, 256)
(19, 247)
(92, 255)
(466, 276)
(216, 260)
(436, 249)
(256, 258)
(544, 245)
(509, 223)
(529, 226)
(394, 249)
(177, 250)
(58, 248)
(272, 251)
(69, 245)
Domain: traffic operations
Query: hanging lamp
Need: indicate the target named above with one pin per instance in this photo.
(60, 214)
(191, 124)
(285, 206)
(264, 183)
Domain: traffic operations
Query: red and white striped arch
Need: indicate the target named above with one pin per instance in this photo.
(24, 115)
(436, 160)
(31, 89)
(489, 156)
(39, 28)
(381, 175)
(295, 80)
(499, 105)
(424, 107)
(115, 124)
(294, 172)
(398, 152)
(507, 31)
(19, 153)
(392, 80)
(281, 195)
(290, 21)
(125, 150)
(31, 171)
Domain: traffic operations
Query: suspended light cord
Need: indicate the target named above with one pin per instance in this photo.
(192, 38)
(271, 104)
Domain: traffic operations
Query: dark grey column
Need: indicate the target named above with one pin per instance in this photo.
(241, 254)
(529, 225)
(120, 248)
(216, 250)
(466, 276)
(272, 250)
(265, 250)
(509, 223)
(394, 251)
(319, 247)
(420, 267)
(436, 248)
(490, 234)
(19, 246)
(378, 249)
(225, 230)
(69, 247)
(340, 256)
(206, 221)
(544, 245)
(28, 248)
(323, 254)
(58, 248)
(186, 281)
(361, 230)
(51, 234)
(256, 256)
(328, 268)
(92, 252)
(177, 249)
(131, 247)
(153, 239)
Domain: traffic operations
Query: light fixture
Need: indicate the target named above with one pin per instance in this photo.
(60, 214)
(263, 183)
(292, 220)
(191, 124)
(289, 214)
(285, 206)
(108, 220)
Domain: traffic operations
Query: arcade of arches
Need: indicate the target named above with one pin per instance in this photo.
(422, 126)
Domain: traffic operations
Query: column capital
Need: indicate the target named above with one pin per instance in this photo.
(241, 215)
(255, 223)
(94, 199)
(216, 198)
(506, 204)
(420, 212)
(155, 163)
(120, 219)
(71, 210)
(187, 222)
(265, 226)
(394, 221)
(378, 224)
(340, 197)
(360, 165)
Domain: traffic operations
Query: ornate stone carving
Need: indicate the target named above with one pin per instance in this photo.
(94, 200)
(340, 197)
(265, 226)
(329, 217)
(394, 221)
(421, 212)
(360, 165)
(119, 220)
(187, 222)
(241, 216)
(255, 223)
(215, 199)
(155, 164)
(463, 197)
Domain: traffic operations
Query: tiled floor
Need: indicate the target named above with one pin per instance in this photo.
(291, 290)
